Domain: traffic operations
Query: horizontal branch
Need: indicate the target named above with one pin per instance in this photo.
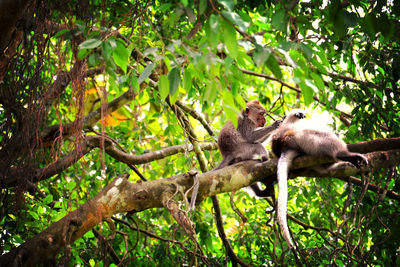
(122, 195)
(155, 155)
(94, 141)
(375, 145)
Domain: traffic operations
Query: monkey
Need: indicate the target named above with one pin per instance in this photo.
(297, 137)
(245, 141)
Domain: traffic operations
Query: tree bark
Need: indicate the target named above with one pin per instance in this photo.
(124, 196)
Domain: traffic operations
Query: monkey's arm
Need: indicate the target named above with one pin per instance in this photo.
(259, 135)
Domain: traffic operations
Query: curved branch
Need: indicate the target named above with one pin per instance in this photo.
(197, 116)
(124, 196)
(155, 155)
(94, 141)
(269, 77)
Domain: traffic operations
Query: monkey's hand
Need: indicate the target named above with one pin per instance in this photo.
(277, 123)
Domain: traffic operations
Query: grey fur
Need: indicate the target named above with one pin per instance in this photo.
(295, 137)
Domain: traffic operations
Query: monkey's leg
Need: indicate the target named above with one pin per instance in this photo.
(267, 192)
(225, 162)
(356, 159)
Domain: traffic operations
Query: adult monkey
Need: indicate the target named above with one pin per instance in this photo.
(297, 137)
(245, 141)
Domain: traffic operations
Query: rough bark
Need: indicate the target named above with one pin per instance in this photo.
(124, 196)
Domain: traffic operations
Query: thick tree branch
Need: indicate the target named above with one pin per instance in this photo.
(375, 145)
(10, 12)
(124, 196)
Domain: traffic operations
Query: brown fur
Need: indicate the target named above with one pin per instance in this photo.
(244, 142)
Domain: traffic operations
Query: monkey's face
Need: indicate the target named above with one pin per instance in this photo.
(256, 113)
(257, 116)
(295, 115)
(261, 119)
(300, 115)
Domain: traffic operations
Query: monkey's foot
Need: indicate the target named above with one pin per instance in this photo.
(264, 158)
(357, 160)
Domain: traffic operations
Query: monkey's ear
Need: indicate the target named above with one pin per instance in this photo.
(246, 112)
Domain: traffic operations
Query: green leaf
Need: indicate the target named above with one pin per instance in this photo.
(90, 44)
(261, 55)
(187, 80)
(202, 6)
(279, 20)
(133, 80)
(239, 99)
(184, 2)
(71, 185)
(227, 4)
(174, 77)
(93, 59)
(89, 234)
(230, 41)
(212, 30)
(235, 19)
(229, 107)
(307, 93)
(34, 214)
(146, 73)
(211, 92)
(174, 97)
(308, 52)
(61, 33)
(92, 262)
(121, 55)
(48, 199)
(318, 80)
(106, 48)
(321, 68)
(163, 86)
(273, 65)
(83, 53)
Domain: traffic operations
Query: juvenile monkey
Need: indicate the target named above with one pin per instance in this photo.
(297, 137)
(245, 141)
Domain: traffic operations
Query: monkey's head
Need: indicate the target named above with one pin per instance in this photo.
(255, 112)
(295, 115)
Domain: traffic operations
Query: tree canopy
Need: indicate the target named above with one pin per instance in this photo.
(110, 112)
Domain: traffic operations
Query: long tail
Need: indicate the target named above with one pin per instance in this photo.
(285, 160)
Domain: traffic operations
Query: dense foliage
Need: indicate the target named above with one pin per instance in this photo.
(71, 59)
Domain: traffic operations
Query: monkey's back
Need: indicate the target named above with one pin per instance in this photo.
(229, 139)
(305, 139)
(319, 143)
